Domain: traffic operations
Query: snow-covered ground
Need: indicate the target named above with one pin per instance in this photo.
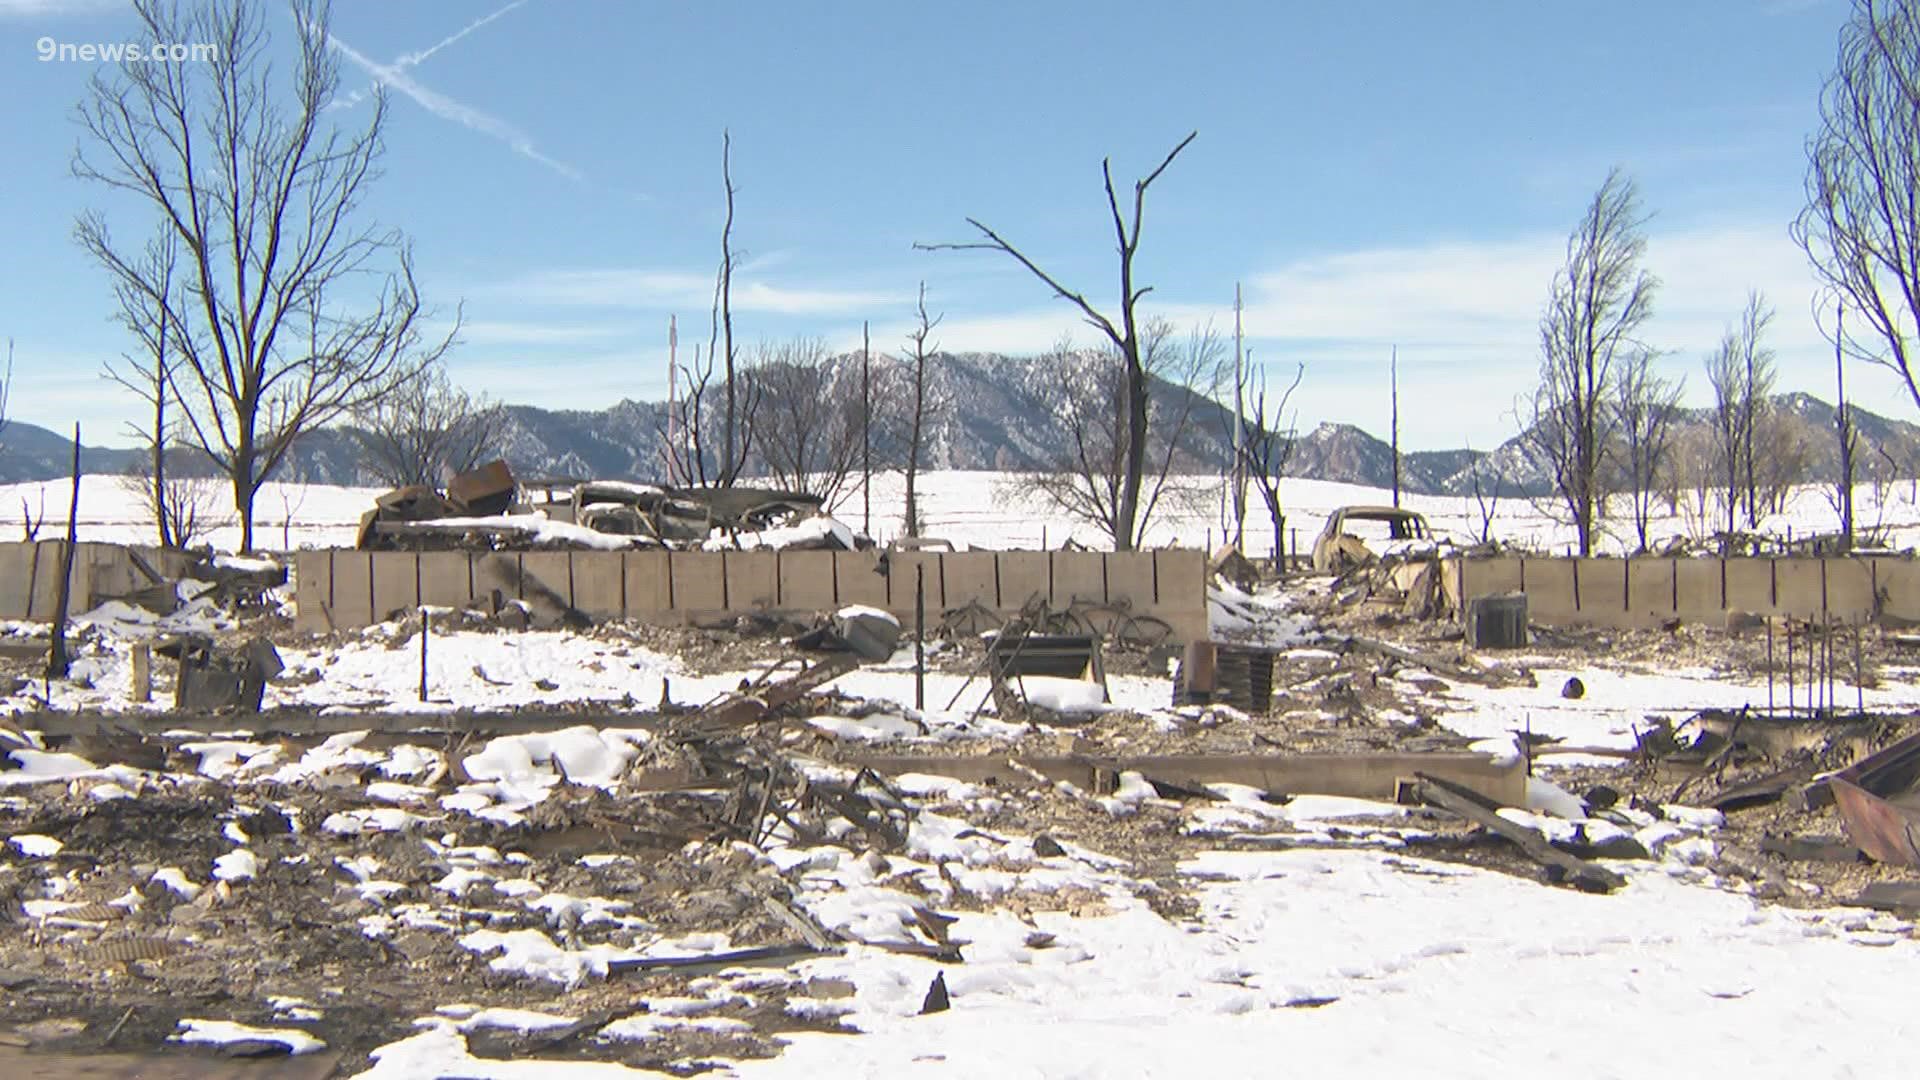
(1351, 957)
(982, 509)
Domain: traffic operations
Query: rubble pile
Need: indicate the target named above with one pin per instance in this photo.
(482, 510)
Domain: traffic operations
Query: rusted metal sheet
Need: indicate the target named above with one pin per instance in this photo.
(1878, 800)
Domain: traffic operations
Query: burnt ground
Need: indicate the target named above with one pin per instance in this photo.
(130, 958)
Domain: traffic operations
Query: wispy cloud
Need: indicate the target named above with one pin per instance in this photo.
(499, 332)
(662, 290)
(397, 76)
(412, 59)
(29, 9)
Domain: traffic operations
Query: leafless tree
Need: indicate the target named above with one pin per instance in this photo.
(426, 431)
(1130, 404)
(1741, 373)
(739, 401)
(1599, 300)
(809, 416)
(1091, 482)
(149, 375)
(189, 504)
(1486, 485)
(1265, 451)
(6, 386)
(1847, 437)
(293, 313)
(1645, 406)
(1860, 227)
(923, 402)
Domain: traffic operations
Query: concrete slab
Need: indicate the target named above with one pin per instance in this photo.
(554, 569)
(396, 582)
(900, 583)
(1699, 584)
(1080, 575)
(1650, 588)
(806, 581)
(1023, 575)
(446, 578)
(1549, 588)
(1750, 586)
(699, 581)
(856, 579)
(753, 580)
(312, 583)
(969, 576)
(351, 596)
(645, 583)
(598, 588)
(1133, 580)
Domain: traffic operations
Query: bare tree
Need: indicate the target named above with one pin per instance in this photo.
(6, 386)
(1598, 301)
(1741, 373)
(1131, 403)
(1646, 407)
(1265, 451)
(1860, 227)
(146, 302)
(922, 404)
(810, 418)
(1486, 484)
(738, 399)
(292, 313)
(426, 431)
(1848, 438)
(1091, 482)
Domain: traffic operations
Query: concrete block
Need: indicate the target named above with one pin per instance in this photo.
(396, 583)
(970, 576)
(699, 581)
(1482, 577)
(553, 569)
(1898, 582)
(1799, 587)
(806, 581)
(1698, 582)
(1081, 575)
(16, 579)
(446, 579)
(1132, 580)
(312, 583)
(1602, 591)
(1650, 588)
(753, 580)
(1023, 575)
(645, 583)
(597, 586)
(1549, 588)
(900, 583)
(1750, 586)
(45, 573)
(856, 579)
(351, 595)
(1850, 589)
(1181, 576)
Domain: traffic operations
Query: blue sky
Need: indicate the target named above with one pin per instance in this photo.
(1397, 172)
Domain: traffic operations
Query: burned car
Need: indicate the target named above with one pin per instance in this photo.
(1358, 535)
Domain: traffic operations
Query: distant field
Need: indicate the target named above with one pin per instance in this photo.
(974, 509)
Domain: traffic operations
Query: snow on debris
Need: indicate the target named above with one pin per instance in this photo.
(223, 1032)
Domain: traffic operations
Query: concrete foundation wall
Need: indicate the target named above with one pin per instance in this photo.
(30, 575)
(344, 588)
(1645, 592)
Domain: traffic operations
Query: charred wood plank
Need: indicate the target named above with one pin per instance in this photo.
(1561, 867)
